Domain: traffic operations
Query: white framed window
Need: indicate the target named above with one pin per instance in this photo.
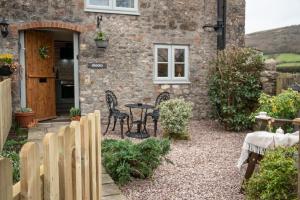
(171, 64)
(113, 6)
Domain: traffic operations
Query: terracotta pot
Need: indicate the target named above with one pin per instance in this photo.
(24, 119)
(76, 118)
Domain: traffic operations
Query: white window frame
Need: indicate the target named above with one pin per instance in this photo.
(171, 79)
(112, 8)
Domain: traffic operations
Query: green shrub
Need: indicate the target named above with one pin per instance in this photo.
(124, 160)
(285, 106)
(234, 86)
(174, 118)
(277, 177)
(75, 112)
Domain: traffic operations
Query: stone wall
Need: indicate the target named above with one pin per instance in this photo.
(268, 77)
(130, 53)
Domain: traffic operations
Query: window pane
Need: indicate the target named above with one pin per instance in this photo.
(179, 55)
(179, 70)
(99, 2)
(125, 3)
(162, 55)
(162, 70)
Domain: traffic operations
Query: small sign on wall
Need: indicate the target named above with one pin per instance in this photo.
(97, 65)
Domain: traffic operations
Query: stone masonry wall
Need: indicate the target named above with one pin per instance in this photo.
(130, 56)
(268, 77)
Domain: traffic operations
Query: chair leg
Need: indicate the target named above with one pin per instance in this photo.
(115, 121)
(122, 123)
(155, 127)
(107, 125)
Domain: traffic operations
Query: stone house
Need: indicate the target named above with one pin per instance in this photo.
(154, 46)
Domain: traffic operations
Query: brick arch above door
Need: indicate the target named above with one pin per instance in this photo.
(48, 25)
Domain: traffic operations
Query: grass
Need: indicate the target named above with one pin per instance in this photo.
(287, 62)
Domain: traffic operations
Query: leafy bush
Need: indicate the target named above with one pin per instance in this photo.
(234, 86)
(277, 177)
(11, 150)
(124, 160)
(285, 105)
(174, 117)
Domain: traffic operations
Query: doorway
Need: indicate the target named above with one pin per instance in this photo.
(50, 72)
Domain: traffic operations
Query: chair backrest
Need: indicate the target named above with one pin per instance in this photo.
(111, 100)
(164, 96)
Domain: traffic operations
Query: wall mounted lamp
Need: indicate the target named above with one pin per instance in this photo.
(4, 27)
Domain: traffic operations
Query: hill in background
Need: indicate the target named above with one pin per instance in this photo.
(276, 41)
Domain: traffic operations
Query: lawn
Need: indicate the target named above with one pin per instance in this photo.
(287, 62)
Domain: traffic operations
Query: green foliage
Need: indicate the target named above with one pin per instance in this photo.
(75, 112)
(44, 52)
(101, 36)
(25, 110)
(277, 177)
(234, 86)
(11, 150)
(174, 117)
(285, 105)
(124, 160)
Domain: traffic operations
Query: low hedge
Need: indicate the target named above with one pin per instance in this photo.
(124, 160)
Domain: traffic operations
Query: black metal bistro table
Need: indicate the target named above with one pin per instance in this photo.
(141, 131)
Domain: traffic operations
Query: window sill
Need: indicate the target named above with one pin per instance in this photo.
(171, 82)
(121, 12)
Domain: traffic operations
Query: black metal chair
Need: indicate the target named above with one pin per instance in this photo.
(112, 103)
(164, 96)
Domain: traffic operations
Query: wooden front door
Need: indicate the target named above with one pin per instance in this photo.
(40, 74)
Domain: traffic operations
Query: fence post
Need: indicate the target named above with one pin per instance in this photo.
(78, 168)
(66, 146)
(93, 154)
(30, 172)
(84, 125)
(6, 179)
(98, 144)
(51, 172)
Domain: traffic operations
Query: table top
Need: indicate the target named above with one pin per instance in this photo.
(140, 106)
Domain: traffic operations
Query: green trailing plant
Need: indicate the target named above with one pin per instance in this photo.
(74, 112)
(101, 36)
(276, 178)
(44, 52)
(174, 117)
(124, 160)
(234, 86)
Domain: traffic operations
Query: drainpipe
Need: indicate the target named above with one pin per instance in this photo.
(220, 27)
(221, 24)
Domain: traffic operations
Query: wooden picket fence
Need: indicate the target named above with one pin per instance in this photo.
(70, 170)
(286, 80)
(5, 110)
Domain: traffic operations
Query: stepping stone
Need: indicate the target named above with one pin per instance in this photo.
(110, 189)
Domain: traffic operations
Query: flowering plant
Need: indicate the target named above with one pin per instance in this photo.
(7, 60)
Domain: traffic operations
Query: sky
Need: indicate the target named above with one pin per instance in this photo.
(269, 14)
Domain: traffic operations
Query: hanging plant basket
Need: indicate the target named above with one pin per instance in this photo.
(5, 70)
(102, 44)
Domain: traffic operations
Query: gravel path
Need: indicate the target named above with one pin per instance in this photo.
(204, 168)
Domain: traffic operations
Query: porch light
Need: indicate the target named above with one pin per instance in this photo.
(4, 27)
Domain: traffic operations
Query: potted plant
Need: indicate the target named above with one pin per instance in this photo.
(75, 114)
(101, 40)
(25, 117)
(7, 64)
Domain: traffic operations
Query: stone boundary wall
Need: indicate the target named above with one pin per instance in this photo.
(269, 76)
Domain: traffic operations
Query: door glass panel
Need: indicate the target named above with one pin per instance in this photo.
(162, 70)
(179, 55)
(125, 3)
(162, 55)
(99, 2)
(179, 70)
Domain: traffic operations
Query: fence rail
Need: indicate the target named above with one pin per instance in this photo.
(286, 80)
(71, 167)
(5, 110)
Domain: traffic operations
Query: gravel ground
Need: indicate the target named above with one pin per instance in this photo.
(204, 168)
